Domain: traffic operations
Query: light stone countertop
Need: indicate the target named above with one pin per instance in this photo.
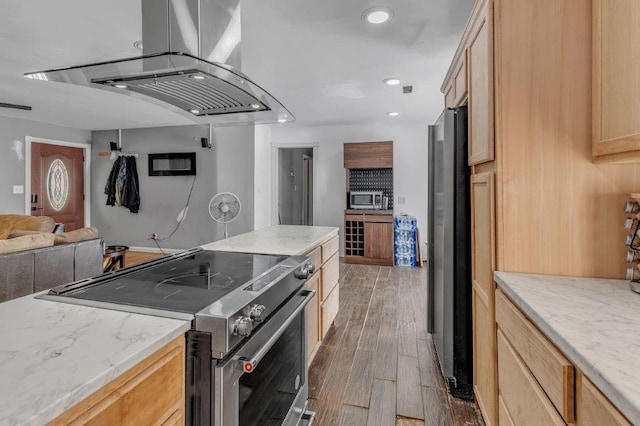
(277, 239)
(53, 355)
(594, 322)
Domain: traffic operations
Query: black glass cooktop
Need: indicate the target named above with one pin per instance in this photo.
(186, 284)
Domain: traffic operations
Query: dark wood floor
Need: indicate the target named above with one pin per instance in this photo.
(377, 366)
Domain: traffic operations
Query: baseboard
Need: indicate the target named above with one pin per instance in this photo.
(154, 250)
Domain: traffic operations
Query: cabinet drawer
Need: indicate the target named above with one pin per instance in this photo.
(330, 276)
(524, 400)
(329, 309)
(329, 248)
(551, 369)
(315, 256)
(593, 408)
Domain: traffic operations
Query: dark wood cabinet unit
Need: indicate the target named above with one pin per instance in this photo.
(368, 237)
(368, 155)
(368, 234)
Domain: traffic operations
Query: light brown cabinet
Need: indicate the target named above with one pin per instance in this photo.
(450, 96)
(460, 83)
(151, 392)
(323, 308)
(531, 103)
(616, 81)
(538, 384)
(593, 408)
(480, 63)
(369, 238)
(483, 294)
(524, 399)
(553, 372)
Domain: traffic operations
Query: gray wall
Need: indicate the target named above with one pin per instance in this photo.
(290, 187)
(228, 167)
(12, 165)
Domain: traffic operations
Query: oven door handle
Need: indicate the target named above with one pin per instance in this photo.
(248, 363)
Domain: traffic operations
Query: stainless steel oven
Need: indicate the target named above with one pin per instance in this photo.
(246, 350)
(265, 381)
(262, 382)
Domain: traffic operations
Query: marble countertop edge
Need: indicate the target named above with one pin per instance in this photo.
(630, 408)
(67, 401)
(286, 240)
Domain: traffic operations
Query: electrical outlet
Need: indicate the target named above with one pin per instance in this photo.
(402, 199)
(154, 236)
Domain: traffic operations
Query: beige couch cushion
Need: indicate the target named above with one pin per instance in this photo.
(26, 242)
(81, 234)
(16, 234)
(15, 222)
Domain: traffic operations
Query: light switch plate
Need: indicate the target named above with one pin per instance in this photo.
(18, 189)
(402, 199)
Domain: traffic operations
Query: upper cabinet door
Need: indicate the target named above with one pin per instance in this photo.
(616, 81)
(368, 155)
(480, 69)
(460, 82)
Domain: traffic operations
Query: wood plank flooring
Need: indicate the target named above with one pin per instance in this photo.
(136, 257)
(378, 366)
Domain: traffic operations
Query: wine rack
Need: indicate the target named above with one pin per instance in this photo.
(354, 238)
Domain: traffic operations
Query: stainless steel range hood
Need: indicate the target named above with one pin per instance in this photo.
(190, 65)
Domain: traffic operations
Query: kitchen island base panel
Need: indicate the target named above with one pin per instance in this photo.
(151, 392)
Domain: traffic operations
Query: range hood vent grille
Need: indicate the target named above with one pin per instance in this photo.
(192, 90)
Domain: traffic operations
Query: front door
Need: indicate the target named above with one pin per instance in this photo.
(57, 184)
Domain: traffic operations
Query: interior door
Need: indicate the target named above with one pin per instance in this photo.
(57, 184)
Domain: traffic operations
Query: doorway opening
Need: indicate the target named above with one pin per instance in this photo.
(57, 181)
(295, 186)
(305, 179)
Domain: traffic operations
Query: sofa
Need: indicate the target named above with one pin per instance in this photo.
(33, 259)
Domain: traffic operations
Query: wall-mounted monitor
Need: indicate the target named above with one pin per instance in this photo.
(172, 164)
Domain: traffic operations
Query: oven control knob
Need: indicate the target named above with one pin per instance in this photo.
(243, 327)
(256, 312)
(305, 271)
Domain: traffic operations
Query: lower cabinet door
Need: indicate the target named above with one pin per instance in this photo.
(329, 309)
(378, 240)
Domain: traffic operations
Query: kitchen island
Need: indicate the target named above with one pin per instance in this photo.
(320, 244)
(594, 324)
(55, 355)
(277, 239)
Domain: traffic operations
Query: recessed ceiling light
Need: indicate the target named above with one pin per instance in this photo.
(378, 15)
(194, 111)
(391, 81)
(393, 114)
(282, 120)
(198, 77)
(120, 86)
(138, 44)
(255, 106)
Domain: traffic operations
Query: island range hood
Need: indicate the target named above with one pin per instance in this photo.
(190, 65)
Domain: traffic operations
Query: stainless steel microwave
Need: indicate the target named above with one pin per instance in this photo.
(365, 200)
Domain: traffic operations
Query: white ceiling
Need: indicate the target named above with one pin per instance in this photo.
(317, 57)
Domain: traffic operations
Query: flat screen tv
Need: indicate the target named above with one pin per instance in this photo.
(172, 164)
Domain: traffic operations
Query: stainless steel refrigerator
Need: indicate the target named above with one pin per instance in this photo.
(449, 250)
